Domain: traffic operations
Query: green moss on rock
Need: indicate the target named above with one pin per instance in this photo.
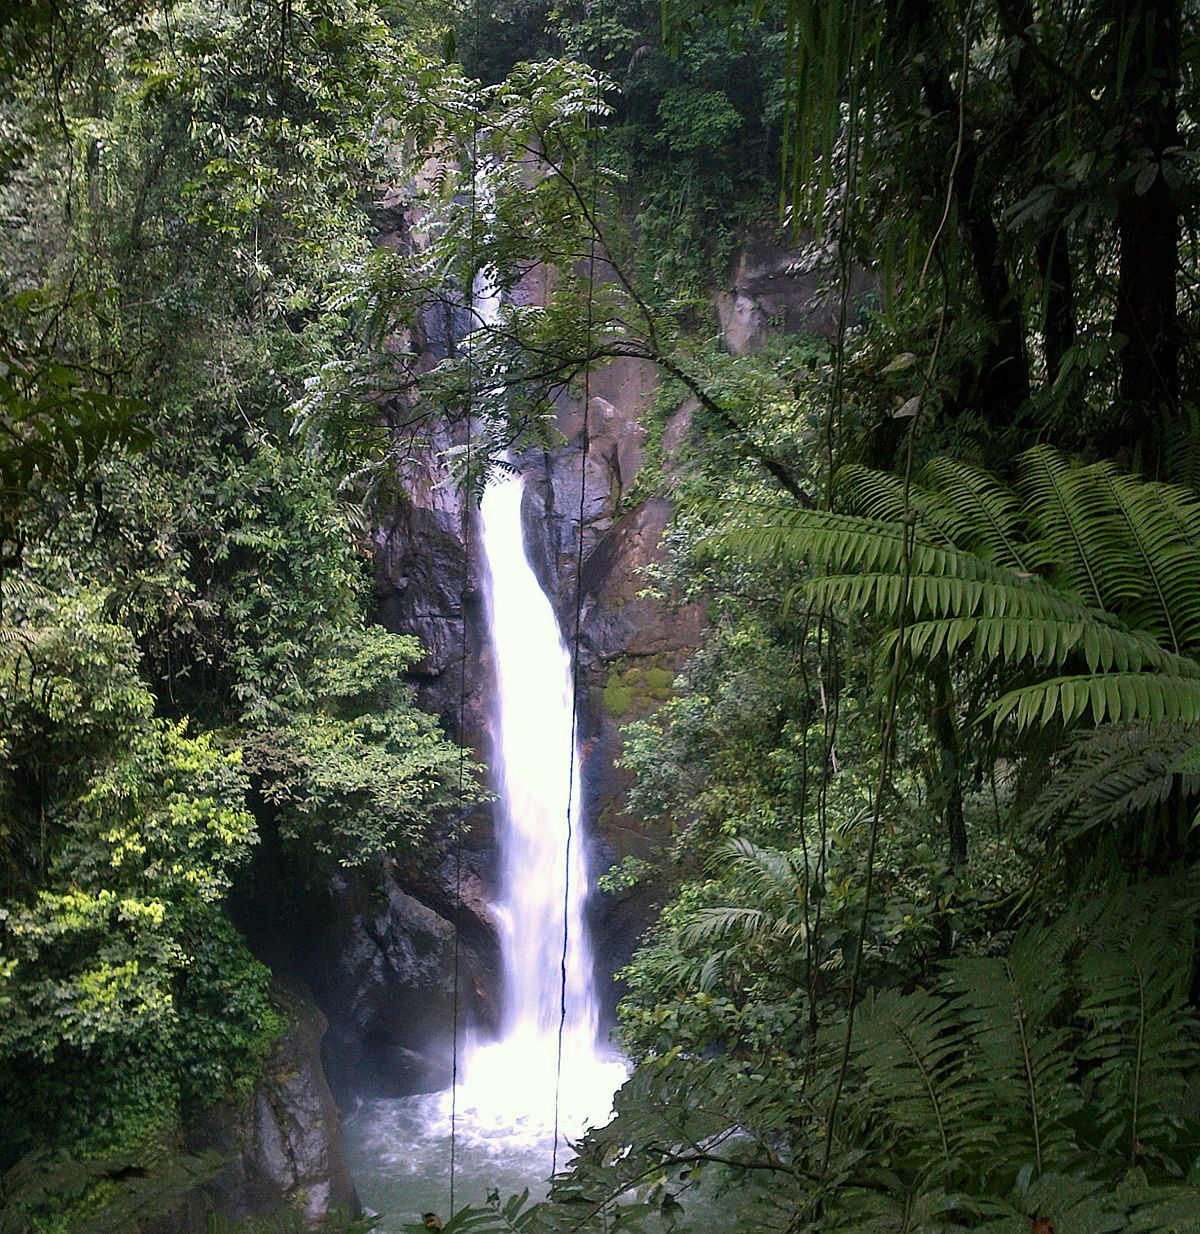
(636, 688)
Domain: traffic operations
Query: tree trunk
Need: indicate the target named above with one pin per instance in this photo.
(945, 731)
(1148, 227)
(1004, 374)
(1058, 322)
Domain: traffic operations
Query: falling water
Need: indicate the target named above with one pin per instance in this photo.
(544, 876)
(548, 980)
(547, 1070)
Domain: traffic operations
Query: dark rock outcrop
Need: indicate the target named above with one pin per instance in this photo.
(283, 1141)
(382, 959)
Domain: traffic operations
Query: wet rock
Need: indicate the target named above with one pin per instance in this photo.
(428, 585)
(284, 1141)
(383, 962)
(619, 620)
(743, 322)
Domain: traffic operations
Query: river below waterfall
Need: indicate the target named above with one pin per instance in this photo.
(398, 1149)
(546, 1067)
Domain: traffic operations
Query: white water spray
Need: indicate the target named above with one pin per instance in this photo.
(548, 980)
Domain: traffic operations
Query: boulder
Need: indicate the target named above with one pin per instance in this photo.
(284, 1139)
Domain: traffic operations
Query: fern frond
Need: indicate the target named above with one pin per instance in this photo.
(871, 493)
(864, 562)
(911, 1051)
(1154, 578)
(1019, 1048)
(770, 869)
(709, 925)
(986, 515)
(1036, 640)
(1115, 771)
(1143, 1036)
(1134, 697)
(1067, 508)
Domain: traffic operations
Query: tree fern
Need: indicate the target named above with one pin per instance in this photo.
(954, 502)
(1126, 697)
(1151, 568)
(957, 569)
(1070, 510)
(1113, 772)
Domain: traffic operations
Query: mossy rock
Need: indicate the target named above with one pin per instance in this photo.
(637, 688)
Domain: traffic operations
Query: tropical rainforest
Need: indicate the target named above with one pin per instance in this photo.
(926, 794)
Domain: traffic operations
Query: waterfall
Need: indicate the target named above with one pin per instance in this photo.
(548, 980)
(543, 881)
(512, 1093)
(516, 1082)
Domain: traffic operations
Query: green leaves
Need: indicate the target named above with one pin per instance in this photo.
(121, 837)
(1047, 1082)
(352, 768)
(1113, 774)
(960, 561)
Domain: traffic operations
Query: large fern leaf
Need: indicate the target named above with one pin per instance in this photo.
(911, 1052)
(1020, 1049)
(1112, 772)
(1069, 510)
(927, 562)
(1133, 697)
(987, 515)
(953, 502)
(1143, 1037)
(1153, 578)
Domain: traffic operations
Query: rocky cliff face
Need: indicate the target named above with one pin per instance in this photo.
(283, 1141)
(383, 970)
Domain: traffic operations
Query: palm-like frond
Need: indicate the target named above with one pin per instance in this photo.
(1115, 771)
(1154, 578)
(1068, 509)
(770, 881)
(987, 515)
(1121, 697)
(954, 598)
(954, 503)
(957, 563)
(1008, 1004)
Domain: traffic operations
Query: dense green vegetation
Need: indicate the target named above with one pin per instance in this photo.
(928, 954)
(185, 656)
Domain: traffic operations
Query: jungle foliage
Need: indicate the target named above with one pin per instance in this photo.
(186, 664)
(928, 957)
